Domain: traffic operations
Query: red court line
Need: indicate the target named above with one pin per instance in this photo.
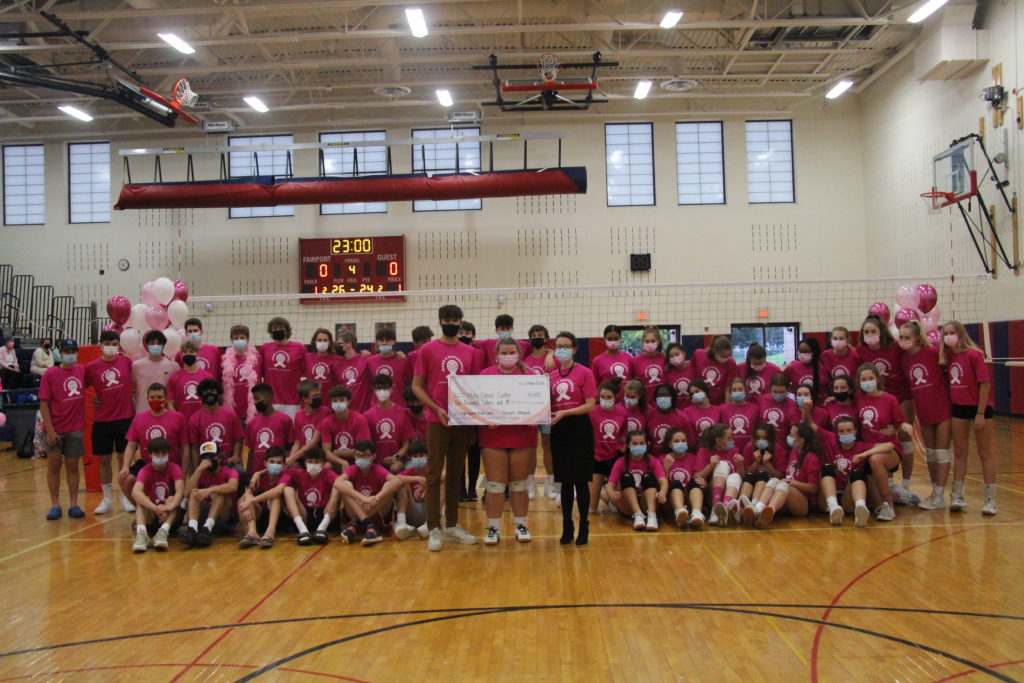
(149, 666)
(971, 671)
(245, 616)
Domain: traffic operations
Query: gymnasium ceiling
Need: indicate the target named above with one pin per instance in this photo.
(320, 62)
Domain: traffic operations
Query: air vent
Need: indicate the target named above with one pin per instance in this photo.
(392, 92)
(678, 84)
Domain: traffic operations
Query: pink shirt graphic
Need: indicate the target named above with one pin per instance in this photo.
(222, 427)
(966, 370)
(65, 390)
(262, 433)
(609, 432)
(183, 389)
(283, 367)
(571, 389)
(437, 361)
(158, 485)
(112, 380)
(169, 425)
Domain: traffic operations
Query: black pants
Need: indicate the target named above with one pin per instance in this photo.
(581, 492)
(11, 379)
(472, 470)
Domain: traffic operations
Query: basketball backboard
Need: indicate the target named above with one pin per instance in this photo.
(954, 172)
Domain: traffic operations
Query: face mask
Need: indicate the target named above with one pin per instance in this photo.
(761, 444)
(563, 354)
(195, 337)
(868, 386)
(650, 347)
(847, 438)
(416, 409)
(321, 346)
(155, 349)
(779, 398)
(240, 344)
(316, 402)
(384, 348)
(538, 342)
(190, 359)
(607, 403)
(508, 362)
(383, 395)
(313, 468)
(905, 344)
(504, 335)
(698, 397)
(363, 463)
(69, 358)
(160, 462)
(791, 442)
(260, 406)
(663, 402)
(872, 339)
(277, 335)
(211, 399)
(214, 463)
(951, 340)
(156, 405)
(800, 400)
(804, 357)
(339, 407)
(728, 445)
(417, 463)
(109, 351)
(466, 340)
(612, 344)
(680, 447)
(841, 396)
(839, 344)
(274, 468)
(632, 402)
(676, 361)
(738, 396)
(637, 452)
(449, 330)
(47, 345)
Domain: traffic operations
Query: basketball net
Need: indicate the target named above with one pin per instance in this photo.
(548, 65)
(183, 94)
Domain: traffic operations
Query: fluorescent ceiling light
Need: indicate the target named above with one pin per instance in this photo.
(256, 103)
(177, 43)
(839, 88)
(671, 18)
(925, 11)
(75, 112)
(417, 23)
(642, 88)
(445, 98)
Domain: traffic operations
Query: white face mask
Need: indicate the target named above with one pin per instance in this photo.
(607, 403)
(321, 346)
(383, 395)
(339, 407)
(109, 351)
(314, 468)
(612, 344)
(160, 462)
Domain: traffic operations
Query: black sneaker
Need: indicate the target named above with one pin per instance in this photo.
(204, 538)
(372, 536)
(303, 538)
(320, 537)
(348, 534)
(189, 537)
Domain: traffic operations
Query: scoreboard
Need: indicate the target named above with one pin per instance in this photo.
(351, 264)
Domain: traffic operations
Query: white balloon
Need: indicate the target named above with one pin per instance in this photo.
(177, 311)
(137, 319)
(131, 339)
(173, 344)
(163, 290)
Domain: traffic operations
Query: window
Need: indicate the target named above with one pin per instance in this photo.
(245, 164)
(778, 339)
(89, 182)
(629, 171)
(632, 337)
(441, 157)
(700, 167)
(347, 162)
(770, 162)
(24, 195)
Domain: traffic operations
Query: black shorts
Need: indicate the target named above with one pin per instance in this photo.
(690, 485)
(968, 412)
(137, 467)
(604, 467)
(110, 436)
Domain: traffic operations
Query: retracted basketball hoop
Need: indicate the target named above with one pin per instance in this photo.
(182, 96)
(546, 87)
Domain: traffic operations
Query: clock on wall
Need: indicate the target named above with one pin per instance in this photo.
(123, 264)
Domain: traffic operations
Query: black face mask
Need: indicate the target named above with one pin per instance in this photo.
(277, 335)
(214, 464)
(416, 409)
(315, 403)
(260, 406)
(449, 330)
(46, 346)
(211, 399)
(466, 340)
(538, 343)
(189, 359)
(841, 396)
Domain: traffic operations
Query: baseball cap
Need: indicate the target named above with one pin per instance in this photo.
(69, 345)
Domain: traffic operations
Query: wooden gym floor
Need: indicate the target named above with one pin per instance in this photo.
(931, 596)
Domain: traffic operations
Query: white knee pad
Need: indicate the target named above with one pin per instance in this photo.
(495, 487)
(722, 469)
(734, 480)
(942, 456)
(908, 446)
(771, 483)
(782, 487)
(520, 485)
(930, 455)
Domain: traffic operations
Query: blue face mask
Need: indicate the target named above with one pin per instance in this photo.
(504, 335)
(779, 398)
(195, 337)
(417, 463)
(680, 447)
(869, 386)
(738, 396)
(800, 400)
(791, 442)
(632, 402)
(761, 444)
(563, 354)
(728, 445)
(607, 403)
(384, 348)
(638, 452)
(664, 402)
(847, 438)
(274, 469)
(698, 397)
(363, 463)
(240, 344)
(155, 349)
(69, 358)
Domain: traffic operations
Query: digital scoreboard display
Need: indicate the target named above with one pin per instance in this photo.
(345, 265)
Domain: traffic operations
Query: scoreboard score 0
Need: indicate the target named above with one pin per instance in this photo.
(343, 265)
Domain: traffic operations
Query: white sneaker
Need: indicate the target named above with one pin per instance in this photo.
(104, 507)
(936, 501)
(523, 534)
(734, 509)
(682, 517)
(713, 518)
(434, 543)
(422, 530)
(835, 515)
(127, 505)
(697, 520)
(639, 521)
(884, 512)
(551, 488)
(492, 537)
(721, 514)
(990, 507)
(957, 503)
(904, 496)
(558, 499)
(404, 532)
(160, 539)
(141, 540)
(652, 521)
(860, 516)
(459, 535)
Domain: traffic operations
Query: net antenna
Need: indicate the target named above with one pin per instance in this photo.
(548, 64)
(184, 96)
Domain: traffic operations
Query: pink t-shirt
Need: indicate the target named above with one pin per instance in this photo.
(834, 365)
(416, 488)
(780, 415)
(265, 482)
(321, 369)
(208, 359)
(635, 418)
(158, 485)
(436, 361)
(927, 385)
(630, 466)
(801, 374)
(536, 363)
(419, 427)
(698, 419)
(506, 436)
(112, 380)
(221, 426)
(966, 370)
(837, 410)
(809, 471)
(283, 367)
(741, 420)
(680, 379)
(687, 467)
(875, 414)
(146, 372)
(717, 375)
(887, 362)
(609, 431)
(410, 364)
(306, 426)
(368, 483)
(571, 389)
(841, 458)
(341, 434)
(650, 370)
(65, 390)
(220, 476)
(183, 389)
(607, 365)
(169, 425)
(389, 429)
(658, 424)
(760, 383)
(351, 372)
(705, 455)
(312, 493)
(392, 366)
(263, 433)
(489, 347)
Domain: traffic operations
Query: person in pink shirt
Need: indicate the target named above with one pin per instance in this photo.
(157, 422)
(504, 327)
(268, 428)
(719, 449)
(880, 420)
(541, 361)
(686, 474)
(971, 395)
(757, 372)
(929, 388)
(62, 405)
(389, 425)
(740, 414)
(211, 492)
(351, 371)
(609, 422)
(183, 386)
(310, 498)
(367, 492)
(157, 493)
(155, 368)
(842, 403)
(208, 355)
(796, 492)
(417, 415)
(663, 416)
(420, 336)
(241, 370)
(284, 364)
(678, 373)
(321, 363)
(467, 335)
(410, 509)
(777, 408)
(638, 484)
(340, 430)
(808, 410)
(806, 369)
(842, 358)
(217, 423)
(387, 361)
(649, 366)
(613, 362)
(262, 501)
(447, 444)
(716, 367)
(846, 465)
(307, 421)
(762, 460)
(634, 402)
(110, 376)
(700, 415)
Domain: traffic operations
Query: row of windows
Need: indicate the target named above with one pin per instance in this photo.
(700, 163)
(629, 148)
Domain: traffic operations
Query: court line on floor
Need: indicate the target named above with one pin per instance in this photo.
(27, 469)
(62, 536)
(152, 666)
(971, 671)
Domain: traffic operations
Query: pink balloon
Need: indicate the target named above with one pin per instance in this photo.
(3, 419)
(156, 317)
(907, 296)
(113, 327)
(138, 354)
(905, 315)
(931, 319)
(180, 291)
(881, 310)
(119, 308)
(929, 297)
(148, 297)
(935, 337)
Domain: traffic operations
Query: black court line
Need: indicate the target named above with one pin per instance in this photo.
(27, 469)
(337, 617)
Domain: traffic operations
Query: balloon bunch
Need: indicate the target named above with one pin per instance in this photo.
(164, 308)
(914, 303)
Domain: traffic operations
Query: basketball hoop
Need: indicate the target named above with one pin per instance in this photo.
(548, 65)
(937, 200)
(183, 95)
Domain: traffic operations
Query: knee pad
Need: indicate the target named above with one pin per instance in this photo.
(722, 469)
(942, 456)
(675, 485)
(908, 446)
(733, 480)
(626, 481)
(520, 485)
(648, 481)
(828, 470)
(782, 487)
(772, 483)
(762, 476)
(929, 455)
(750, 478)
(495, 487)
(858, 475)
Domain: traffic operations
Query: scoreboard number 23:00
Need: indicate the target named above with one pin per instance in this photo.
(351, 265)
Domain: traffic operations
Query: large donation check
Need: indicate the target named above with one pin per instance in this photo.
(499, 400)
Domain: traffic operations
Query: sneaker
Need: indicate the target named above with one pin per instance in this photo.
(936, 501)
(884, 512)
(721, 513)
(990, 507)
(957, 503)
(558, 500)
(459, 535)
(204, 538)
(188, 536)
(734, 510)
(550, 487)
(697, 520)
(404, 532)
(835, 515)
(764, 520)
(348, 534)
(319, 537)
(904, 496)
(860, 516)
(749, 515)
(639, 521)
(713, 518)
(682, 517)
(76, 512)
(127, 505)
(160, 539)
(247, 541)
(141, 541)
(652, 521)
(434, 542)
(303, 538)
(372, 537)
(523, 534)
(492, 536)
(422, 530)
(104, 507)
(55, 513)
